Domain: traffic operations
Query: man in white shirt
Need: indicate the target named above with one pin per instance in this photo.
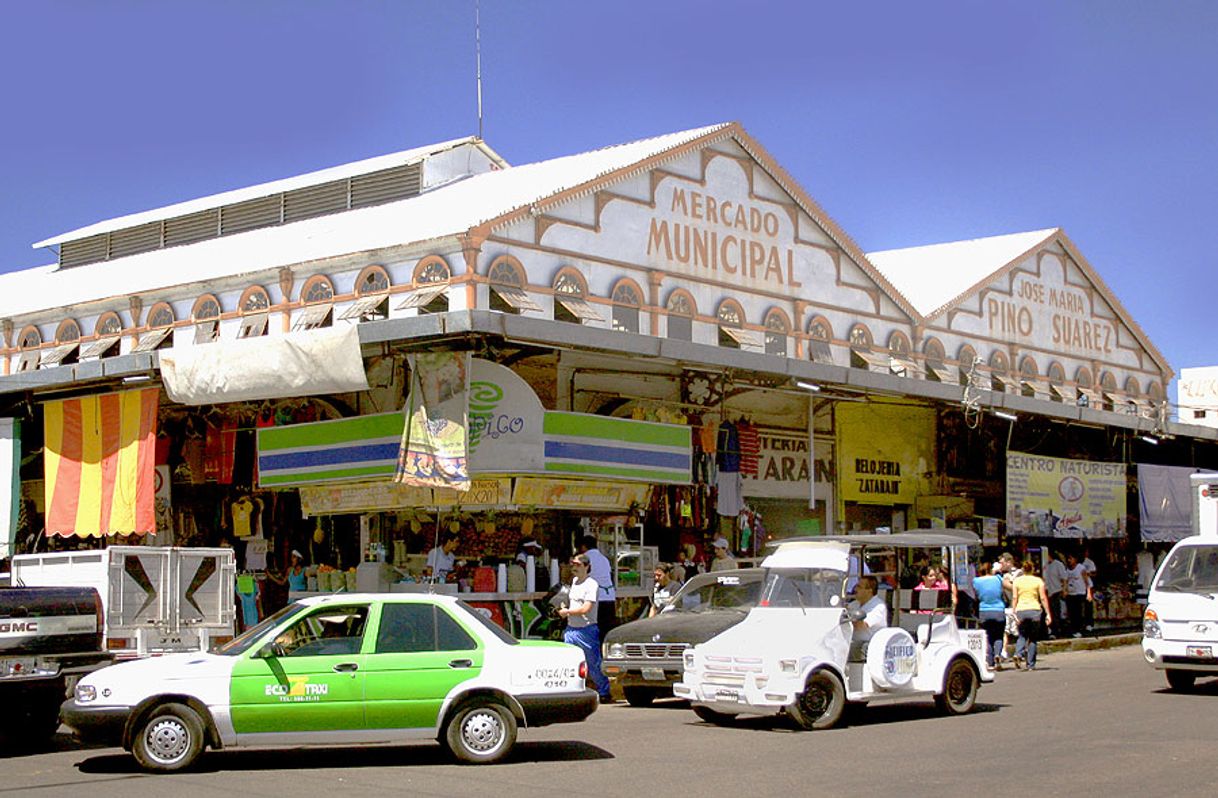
(1055, 585)
(602, 572)
(582, 631)
(1077, 592)
(875, 615)
(442, 558)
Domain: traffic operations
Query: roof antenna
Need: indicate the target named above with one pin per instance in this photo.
(478, 60)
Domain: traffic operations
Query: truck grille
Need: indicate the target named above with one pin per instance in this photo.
(656, 650)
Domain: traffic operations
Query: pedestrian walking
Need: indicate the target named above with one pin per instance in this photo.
(1031, 604)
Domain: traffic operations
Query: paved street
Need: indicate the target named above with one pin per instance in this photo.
(1088, 723)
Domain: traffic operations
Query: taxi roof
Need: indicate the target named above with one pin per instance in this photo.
(913, 539)
(332, 598)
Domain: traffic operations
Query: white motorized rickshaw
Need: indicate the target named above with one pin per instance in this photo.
(793, 652)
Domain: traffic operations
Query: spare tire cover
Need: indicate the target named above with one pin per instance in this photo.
(891, 658)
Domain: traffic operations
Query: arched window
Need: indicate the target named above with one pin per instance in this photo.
(372, 292)
(432, 269)
(820, 338)
(936, 361)
(1108, 391)
(255, 308)
(67, 345)
(571, 298)
(732, 334)
(899, 361)
(861, 356)
(777, 328)
(1154, 389)
(1086, 389)
(1030, 383)
(28, 342)
(1057, 381)
(681, 311)
(160, 329)
(966, 361)
(1000, 372)
(626, 301)
(506, 279)
(318, 298)
(109, 327)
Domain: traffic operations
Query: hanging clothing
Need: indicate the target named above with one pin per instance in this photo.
(730, 486)
(729, 448)
(750, 448)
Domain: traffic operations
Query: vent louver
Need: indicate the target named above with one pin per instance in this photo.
(361, 191)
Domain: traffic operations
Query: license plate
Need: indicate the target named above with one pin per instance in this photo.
(16, 667)
(728, 695)
(1200, 651)
(653, 674)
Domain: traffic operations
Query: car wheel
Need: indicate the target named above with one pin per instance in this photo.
(1181, 681)
(639, 696)
(821, 704)
(959, 694)
(169, 739)
(713, 716)
(481, 732)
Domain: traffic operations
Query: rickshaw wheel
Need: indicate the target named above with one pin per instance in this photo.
(959, 689)
(821, 704)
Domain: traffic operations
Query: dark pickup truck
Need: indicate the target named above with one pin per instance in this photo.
(49, 638)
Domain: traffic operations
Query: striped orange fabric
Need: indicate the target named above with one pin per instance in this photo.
(101, 463)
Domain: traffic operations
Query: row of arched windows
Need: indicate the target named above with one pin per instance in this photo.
(508, 282)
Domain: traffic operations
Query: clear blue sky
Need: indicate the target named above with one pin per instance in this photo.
(910, 122)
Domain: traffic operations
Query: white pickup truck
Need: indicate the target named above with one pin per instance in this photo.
(793, 654)
(1180, 626)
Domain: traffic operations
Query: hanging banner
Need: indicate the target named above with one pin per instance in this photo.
(10, 483)
(1165, 503)
(435, 443)
(100, 464)
(505, 421)
(884, 452)
(1054, 497)
(784, 468)
(358, 497)
(575, 495)
(320, 452)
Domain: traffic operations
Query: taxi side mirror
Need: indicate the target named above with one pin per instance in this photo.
(270, 650)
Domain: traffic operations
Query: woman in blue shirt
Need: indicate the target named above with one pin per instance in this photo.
(297, 581)
(991, 610)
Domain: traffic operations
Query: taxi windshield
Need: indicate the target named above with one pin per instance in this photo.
(242, 642)
(1190, 569)
(718, 591)
(807, 588)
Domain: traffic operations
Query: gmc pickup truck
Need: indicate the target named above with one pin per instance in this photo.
(49, 638)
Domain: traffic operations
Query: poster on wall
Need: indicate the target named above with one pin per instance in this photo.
(884, 452)
(435, 440)
(1058, 498)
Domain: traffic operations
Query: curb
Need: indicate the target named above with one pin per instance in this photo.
(1089, 643)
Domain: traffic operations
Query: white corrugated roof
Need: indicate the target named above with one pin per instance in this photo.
(448, 210)
(931, 277)
(341, 172)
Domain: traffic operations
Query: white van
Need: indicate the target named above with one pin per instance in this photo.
(1180, 627)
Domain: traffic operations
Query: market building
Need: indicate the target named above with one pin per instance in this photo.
(659, 343)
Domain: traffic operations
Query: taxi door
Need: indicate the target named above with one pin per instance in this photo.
(310, 679)
(420, 654)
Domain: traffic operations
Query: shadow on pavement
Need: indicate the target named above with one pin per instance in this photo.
(349, 757)
(860, 716)
(14, 747)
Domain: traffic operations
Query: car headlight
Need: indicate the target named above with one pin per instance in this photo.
(615, 651)
(86, 693)
(688, 660)
(788, 665)
(1150, 625)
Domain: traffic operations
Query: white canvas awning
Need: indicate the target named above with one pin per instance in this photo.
(307, 363)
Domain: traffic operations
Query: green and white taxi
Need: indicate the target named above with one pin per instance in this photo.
(338, 669)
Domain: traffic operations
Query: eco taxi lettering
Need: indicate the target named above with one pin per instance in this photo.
(298, 688)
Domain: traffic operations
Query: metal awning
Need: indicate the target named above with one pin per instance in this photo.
(1009, 384)
(1040, 387)
(253, 326)
(945, 373)
(152, 339)
(820, 352)
(56, 354)
(98, 348)
(748, 339)
(902, 365)
(515, 297)
(313, 316)
(365, 306)
(206, 331)
(876, 361)
(424, 296)
(579, 308)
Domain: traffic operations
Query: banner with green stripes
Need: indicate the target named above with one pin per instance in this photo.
(580, 444)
